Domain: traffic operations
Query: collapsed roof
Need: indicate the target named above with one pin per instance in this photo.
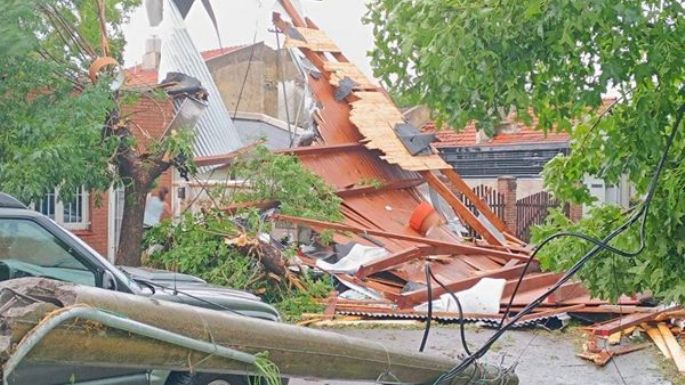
(359, 144)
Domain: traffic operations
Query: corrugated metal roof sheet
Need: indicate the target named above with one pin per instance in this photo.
(489, 321)
(215, 132)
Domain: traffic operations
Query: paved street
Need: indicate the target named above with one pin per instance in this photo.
(543, 357)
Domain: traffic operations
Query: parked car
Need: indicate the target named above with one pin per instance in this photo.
(33, 245)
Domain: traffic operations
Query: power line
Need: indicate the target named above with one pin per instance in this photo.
(249, 60)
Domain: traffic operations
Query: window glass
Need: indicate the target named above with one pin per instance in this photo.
(73, 210)
(47, 205)
(28, 250)
(72, 214)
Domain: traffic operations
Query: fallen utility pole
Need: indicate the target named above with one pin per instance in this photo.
(139, 328)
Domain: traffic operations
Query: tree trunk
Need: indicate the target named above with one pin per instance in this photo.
(131, 237)
(138, 173)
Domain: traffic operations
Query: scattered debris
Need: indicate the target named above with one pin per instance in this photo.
(652, 323)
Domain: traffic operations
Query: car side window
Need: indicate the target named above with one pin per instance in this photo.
(29, 250)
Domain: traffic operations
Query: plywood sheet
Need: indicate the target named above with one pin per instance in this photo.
(314, 40)
(341, 70)
(376, 116)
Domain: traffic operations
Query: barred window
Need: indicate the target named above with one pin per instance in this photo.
(72, 214)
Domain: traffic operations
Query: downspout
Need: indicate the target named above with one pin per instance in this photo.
(116, 322)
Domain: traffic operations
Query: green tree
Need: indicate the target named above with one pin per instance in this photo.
(478, 60)
(58, 128)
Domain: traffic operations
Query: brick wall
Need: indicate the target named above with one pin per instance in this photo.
(506, 185)
(96, 234)
(149, 117)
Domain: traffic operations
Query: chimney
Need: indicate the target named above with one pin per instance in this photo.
(153, 53)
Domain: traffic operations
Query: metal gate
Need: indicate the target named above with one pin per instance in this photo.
(491, 196)
(532, 210)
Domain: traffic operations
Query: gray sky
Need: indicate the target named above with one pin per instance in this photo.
(238, 20)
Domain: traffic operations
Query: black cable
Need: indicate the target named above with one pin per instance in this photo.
(602, 245)
(462, 329)
(430, 276)
(597, 242)
(426, 331)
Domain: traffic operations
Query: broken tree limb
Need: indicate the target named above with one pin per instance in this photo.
(268, 254)
(296, 351)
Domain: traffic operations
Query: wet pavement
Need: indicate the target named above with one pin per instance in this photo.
(542, 357)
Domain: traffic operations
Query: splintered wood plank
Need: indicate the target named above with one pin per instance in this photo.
(658, 339)
(613, 326)
(314, 40)
(615, 338)
(376, 116)
(673, 347)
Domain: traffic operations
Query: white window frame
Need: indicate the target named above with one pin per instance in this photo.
(83, 224)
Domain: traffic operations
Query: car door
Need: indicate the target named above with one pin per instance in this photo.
(29, 249)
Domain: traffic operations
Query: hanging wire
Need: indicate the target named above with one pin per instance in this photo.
(462, 330)
(249, 60)
(429, 319)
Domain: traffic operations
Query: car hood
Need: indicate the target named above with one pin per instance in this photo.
(191, 290)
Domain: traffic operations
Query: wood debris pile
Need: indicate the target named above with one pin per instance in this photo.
(632, 332)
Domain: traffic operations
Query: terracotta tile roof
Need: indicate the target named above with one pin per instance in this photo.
(137, 76)
(468, 137)
(214, 53)
(515, 133)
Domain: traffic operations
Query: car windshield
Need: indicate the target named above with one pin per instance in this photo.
(28, 250)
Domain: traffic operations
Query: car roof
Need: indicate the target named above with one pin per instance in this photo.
(8, 201)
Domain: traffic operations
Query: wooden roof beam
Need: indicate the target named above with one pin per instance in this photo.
(460, 208)
(420, 296)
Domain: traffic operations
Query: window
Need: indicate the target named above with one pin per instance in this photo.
(73, 214)
(28, 250)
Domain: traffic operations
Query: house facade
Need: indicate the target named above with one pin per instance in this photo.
(262, 115)
(514, 150)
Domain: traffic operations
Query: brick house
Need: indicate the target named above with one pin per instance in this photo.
(96, 217)
(93, 216)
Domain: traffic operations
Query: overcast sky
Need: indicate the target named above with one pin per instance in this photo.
(238, 20)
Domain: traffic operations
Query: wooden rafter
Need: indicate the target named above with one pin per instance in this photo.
(460, 208)
(420, 296)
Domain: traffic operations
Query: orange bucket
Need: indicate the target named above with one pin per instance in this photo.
(419, 216)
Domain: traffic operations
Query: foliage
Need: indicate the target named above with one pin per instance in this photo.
(298, 302)
(196, 245)
(601, 273)
(283, 178)
(51, 130)
(478, 60)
